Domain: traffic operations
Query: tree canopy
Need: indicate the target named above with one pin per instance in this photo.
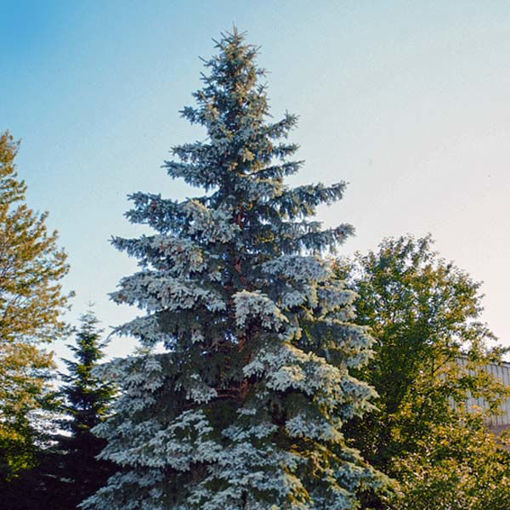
(31, 303)
(430, 354)
(459, 465)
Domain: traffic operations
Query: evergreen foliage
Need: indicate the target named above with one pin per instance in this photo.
(242, 407)
(31, 301)
(66, 469)
(87, 401)
(429, 356)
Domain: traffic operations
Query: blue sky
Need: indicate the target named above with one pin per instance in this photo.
(407, 101)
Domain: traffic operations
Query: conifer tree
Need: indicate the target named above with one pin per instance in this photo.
(31, 301)
(87, 401)
(244, 407)
(67, 470)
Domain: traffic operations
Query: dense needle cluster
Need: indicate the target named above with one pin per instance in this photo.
(87, 401)
(243, 407)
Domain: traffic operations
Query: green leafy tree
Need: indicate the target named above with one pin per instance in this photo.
(243, 404)
(429, 354)
(31, 302)
(458, 466)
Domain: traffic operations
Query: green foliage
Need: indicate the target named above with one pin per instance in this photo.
(458, 466)
(31, 267)
(243, 404)
(66, 470)
(87, 402)
(429, 353)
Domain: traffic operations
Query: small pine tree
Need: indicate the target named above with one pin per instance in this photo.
(244, 407)
(87, 401)
(67, 470)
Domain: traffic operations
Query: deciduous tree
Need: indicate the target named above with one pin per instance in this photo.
(430, 353)
(459, 466)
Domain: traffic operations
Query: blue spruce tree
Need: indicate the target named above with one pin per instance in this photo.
(244, 407)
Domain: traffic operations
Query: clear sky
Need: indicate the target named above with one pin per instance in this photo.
(407, 101)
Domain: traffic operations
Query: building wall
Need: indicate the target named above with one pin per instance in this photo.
(502, 372)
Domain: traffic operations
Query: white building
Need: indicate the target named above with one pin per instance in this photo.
(501, 421)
